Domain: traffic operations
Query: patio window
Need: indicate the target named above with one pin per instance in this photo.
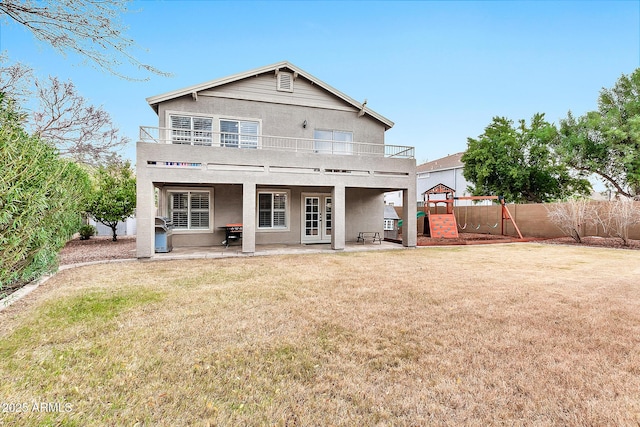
(272, 210)
(239, 133)
(191, 130)
(189, 210)
(333, 141)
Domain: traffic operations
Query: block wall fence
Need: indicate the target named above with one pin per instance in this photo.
(532, 220)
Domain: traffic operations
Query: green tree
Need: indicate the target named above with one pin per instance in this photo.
(41, 200)
(519, 163)
(114, 198)
(606, 142)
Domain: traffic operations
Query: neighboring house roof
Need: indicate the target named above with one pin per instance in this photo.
(449, 162)
(298, 72)
(390, 212)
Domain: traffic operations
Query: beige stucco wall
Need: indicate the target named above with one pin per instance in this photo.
(277, 119)
(270, 167)
(266, 169)
(364, 212)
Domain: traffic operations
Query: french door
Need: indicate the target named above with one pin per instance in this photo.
(317, 220)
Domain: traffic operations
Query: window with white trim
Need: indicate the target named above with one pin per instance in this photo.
(191, 130)
(273, 210)
(333, 141)
(388, 224)
(189, 210)
(238, 133)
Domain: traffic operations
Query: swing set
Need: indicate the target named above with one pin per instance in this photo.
(449, 202)
(505, 214)
(480, 223)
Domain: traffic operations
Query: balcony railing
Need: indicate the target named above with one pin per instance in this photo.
(265, 142)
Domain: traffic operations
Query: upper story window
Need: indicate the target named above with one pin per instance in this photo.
(191, 130)
(238, 133)
(333, 141)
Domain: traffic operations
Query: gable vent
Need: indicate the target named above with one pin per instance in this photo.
(285, 82)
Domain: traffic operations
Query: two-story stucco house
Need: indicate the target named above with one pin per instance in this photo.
(292, 159)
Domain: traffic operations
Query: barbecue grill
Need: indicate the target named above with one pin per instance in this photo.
(232, 232)
(164, 234)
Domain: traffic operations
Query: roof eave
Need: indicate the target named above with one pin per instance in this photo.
(440, 169)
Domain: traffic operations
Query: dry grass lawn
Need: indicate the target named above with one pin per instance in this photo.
(524, 334)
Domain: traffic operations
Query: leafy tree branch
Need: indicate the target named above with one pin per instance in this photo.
(519, 163)
(606, 142)
(41, 200)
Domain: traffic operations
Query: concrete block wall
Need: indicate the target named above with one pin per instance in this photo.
(532, 220)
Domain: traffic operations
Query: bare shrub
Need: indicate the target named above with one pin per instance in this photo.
(572, 217)
(618, 216)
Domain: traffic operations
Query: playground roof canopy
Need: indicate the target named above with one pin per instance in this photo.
(439, 189)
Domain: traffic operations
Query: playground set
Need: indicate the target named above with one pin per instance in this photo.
(444, 225)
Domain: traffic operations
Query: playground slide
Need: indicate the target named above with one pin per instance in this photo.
(420, 214)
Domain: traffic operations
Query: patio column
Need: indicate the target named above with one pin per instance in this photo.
(248, 217)
(145, 218)
(338, 215)
(409, 212)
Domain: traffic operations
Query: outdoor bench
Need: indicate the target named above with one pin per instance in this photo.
(373, 235)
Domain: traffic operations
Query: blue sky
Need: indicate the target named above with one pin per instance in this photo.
(439, 69)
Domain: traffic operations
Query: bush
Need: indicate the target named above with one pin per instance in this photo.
(41, 200)
(618, 217)
(86, 231)
(573, 216)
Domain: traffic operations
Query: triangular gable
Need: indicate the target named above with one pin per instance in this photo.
(439, 189)
(274, 68)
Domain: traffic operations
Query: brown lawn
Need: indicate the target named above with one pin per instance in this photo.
(524, 334)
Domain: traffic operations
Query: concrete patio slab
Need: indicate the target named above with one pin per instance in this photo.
(273, 249)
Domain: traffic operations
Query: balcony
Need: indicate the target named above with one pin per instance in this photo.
(264, 142)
